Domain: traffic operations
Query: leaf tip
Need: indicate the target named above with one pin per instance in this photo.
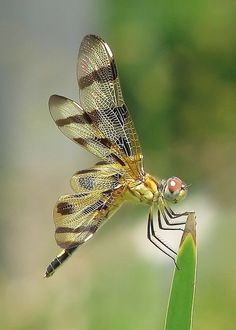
(190, 228)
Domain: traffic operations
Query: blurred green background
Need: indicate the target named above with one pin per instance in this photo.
(177, 66)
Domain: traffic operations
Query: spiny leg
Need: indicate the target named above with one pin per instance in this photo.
(157, 238)
(151, 232)
(174, 215)
(170, 224)
(60, 258)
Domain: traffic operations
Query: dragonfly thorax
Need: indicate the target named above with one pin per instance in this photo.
(146, 191)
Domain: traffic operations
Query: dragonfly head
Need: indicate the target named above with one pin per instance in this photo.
(174, 189)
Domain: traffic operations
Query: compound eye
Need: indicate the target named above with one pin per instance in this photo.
(175, 190)
(174, 184)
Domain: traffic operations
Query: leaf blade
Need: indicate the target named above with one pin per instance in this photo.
(181, 300)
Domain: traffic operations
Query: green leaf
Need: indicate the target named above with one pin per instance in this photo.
(181, 300)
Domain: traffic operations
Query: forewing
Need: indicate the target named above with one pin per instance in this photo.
(101, 98)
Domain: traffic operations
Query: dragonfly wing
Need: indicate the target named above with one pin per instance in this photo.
(78, 126)
(77, 217)
(101, 98)
(100, 178)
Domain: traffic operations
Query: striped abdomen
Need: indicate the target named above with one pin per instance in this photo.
(63, 256)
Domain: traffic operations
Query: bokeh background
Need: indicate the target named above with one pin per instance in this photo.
(177, 66)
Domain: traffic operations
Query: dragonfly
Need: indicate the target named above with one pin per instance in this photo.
(102, 125)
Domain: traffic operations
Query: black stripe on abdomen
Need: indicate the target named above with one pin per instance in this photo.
(58, 261)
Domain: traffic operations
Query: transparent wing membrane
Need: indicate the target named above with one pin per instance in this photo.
(77, 217)
(102, 125)
(101, 98)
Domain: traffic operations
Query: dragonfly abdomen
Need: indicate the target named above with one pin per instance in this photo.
(60, 258)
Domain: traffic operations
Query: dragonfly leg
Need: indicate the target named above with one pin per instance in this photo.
(168, 223)
(174, 215)
(160, 245)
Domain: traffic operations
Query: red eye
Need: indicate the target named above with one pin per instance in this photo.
(174, 184)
